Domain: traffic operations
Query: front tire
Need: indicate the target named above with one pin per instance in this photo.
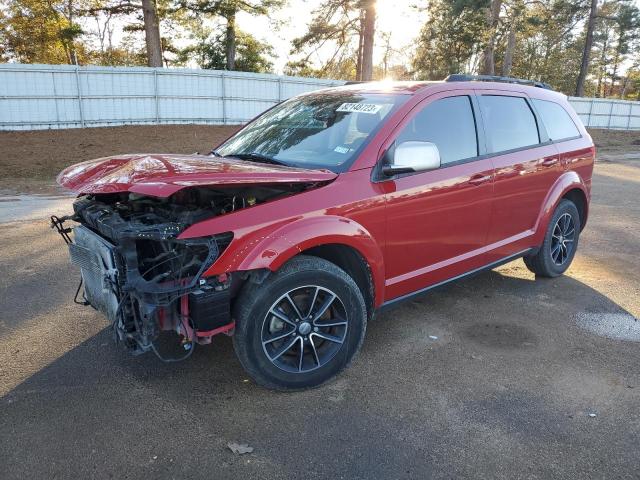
(560, 242)
(301, 326)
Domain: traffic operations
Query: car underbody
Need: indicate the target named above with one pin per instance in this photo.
(142, 277)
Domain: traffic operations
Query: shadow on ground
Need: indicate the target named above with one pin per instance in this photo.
(505, 390)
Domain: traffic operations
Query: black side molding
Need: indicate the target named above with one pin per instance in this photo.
(395, 301)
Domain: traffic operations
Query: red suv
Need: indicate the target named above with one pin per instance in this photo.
(324, 209)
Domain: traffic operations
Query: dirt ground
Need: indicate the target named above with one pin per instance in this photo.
(29, 161)
(613, 140)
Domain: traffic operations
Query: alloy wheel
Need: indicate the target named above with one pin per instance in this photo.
(562, 239)
(304, 329)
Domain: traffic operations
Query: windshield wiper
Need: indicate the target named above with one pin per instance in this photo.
(257, 157)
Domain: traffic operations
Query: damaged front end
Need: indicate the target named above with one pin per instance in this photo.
(141, 276)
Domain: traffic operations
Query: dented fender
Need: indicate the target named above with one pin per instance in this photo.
(269, 247)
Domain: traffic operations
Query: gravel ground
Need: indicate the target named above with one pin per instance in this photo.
(492, 377)
(619, 326)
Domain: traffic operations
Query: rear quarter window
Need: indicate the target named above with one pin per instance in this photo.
(557, 121)
(509, 123)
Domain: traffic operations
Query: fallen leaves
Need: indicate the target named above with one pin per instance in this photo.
(239, 448)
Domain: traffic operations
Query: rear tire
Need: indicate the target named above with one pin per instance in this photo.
(560, 242)
(291, 333)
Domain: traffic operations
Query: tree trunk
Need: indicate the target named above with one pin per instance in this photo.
(387, 55)
(369, 25)
(507, 63)
(360, 45)
(613, 75)
(230, 41)
(152, 33)
(493, 17)
(73, 56)
(586, 53)
(625, 84)
(616, 60)
(603, 66)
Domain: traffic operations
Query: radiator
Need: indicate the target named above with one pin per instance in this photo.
(95, 257)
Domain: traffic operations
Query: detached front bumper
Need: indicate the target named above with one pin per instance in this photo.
(145, 281)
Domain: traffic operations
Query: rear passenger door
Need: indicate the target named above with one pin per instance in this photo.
(526, 166)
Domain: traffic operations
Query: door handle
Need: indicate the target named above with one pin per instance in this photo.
(479, 179)
(549, 162)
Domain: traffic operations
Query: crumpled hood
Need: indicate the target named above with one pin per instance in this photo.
(161, 175)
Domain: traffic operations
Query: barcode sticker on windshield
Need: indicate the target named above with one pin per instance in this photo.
(359, 108)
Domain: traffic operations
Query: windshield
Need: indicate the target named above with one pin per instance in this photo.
(324, 130)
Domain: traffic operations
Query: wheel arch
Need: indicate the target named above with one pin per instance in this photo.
(579, 199)
(339, 240)
(354, 264)
(570, 186)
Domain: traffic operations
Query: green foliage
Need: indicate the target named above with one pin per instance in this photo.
(252, 55)
(549, 47)
(333, 34)
(616, 41)
(344, 68)
(549, 39)
(40, 31)
(449, 41)
(234, 50)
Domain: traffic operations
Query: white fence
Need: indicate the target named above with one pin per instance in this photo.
(36, 97)
(61, 96)
(608, 114)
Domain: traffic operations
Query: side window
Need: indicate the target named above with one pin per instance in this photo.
(449, 123)
(559, 124)
(509, 122)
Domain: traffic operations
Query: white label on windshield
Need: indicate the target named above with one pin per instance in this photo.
(359, 108)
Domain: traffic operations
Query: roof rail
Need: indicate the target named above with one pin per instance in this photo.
(460, 77)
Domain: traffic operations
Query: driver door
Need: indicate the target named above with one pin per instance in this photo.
(438, 220)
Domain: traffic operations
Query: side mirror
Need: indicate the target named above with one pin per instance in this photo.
(409, 157)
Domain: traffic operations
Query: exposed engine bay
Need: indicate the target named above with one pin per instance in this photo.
(143, 278)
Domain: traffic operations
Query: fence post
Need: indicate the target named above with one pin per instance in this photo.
(590, 110)
(155, 94)
(55, 99)
(223, 95)
(610, 114)
(629, 116)
(79, 90)
(279, 89)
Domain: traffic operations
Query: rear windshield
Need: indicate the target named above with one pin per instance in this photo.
(324, 130)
